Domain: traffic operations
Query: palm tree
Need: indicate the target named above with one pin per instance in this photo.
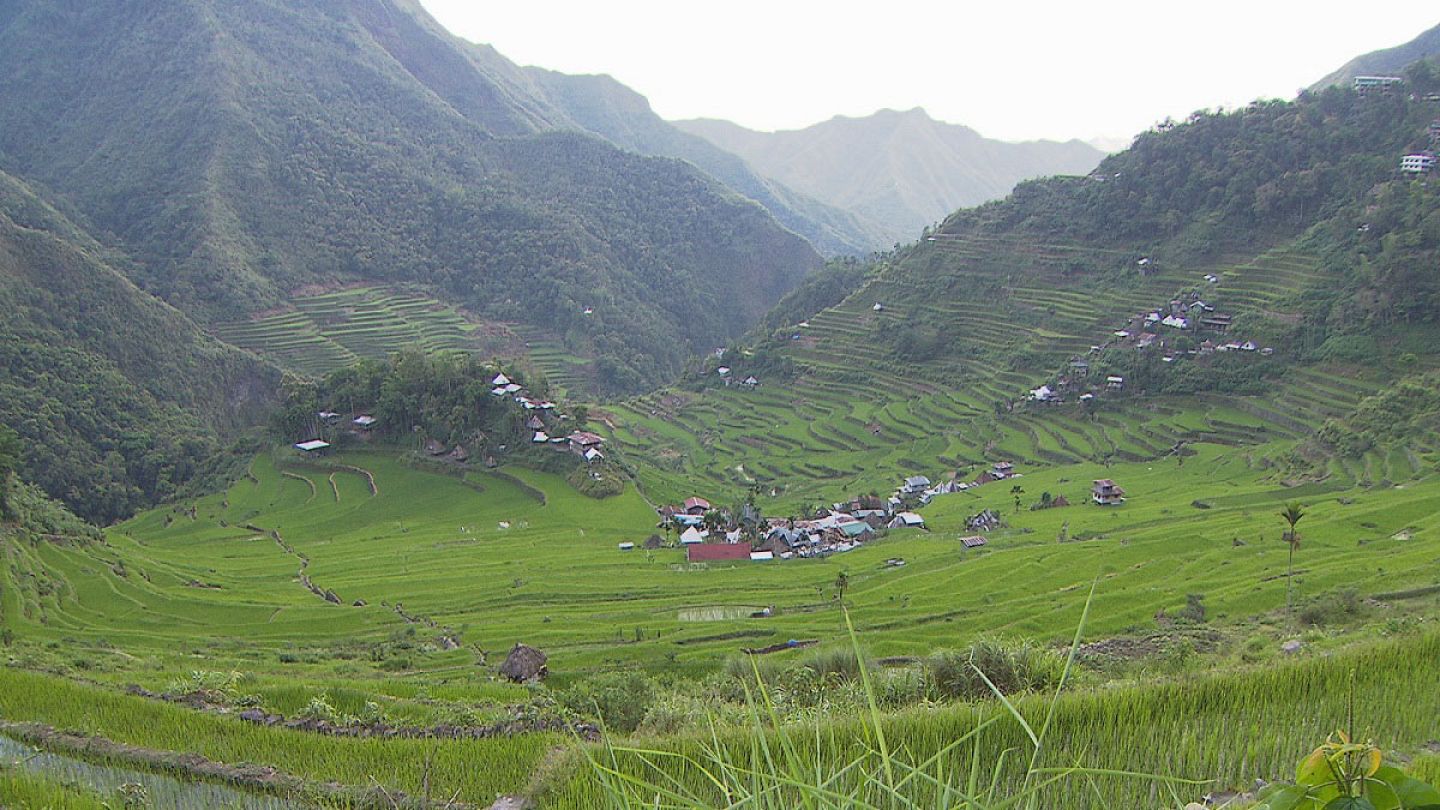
(1292, 515)
(842, 581)
(1017, 491)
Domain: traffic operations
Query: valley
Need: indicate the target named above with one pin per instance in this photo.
(384, 424)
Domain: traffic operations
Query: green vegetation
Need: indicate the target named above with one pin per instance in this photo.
(119, 400)
(369, 145)
(24, 791)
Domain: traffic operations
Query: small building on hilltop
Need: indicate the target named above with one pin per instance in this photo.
(1106, 493)
(1001, 470)
(696, 506)
(314, 447)
(973, 541)
(1370, 85)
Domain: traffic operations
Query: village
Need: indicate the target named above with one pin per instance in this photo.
(710, 534)
(543, 418)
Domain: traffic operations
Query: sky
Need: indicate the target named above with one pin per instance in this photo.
(1013, 70)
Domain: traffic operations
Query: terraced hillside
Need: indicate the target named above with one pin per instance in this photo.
(328, 331)
(852, 417)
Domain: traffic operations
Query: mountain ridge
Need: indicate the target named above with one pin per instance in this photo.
(902, 169)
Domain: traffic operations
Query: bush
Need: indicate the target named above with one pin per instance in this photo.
(1331, 608)
(619, 699)
(1012, 668)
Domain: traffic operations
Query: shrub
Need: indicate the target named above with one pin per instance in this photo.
(619, 699)
(1331, 608)
(1011, 668)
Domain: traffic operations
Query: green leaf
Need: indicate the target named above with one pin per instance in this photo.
(1350, 803)
(1290, 798)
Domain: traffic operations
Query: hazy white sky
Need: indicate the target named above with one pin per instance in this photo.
(1012, 70)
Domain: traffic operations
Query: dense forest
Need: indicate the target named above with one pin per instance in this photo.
(119, 401)
(269, 146)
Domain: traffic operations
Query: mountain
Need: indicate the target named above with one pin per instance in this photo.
(119, 399)
(603, 106)
(902, 170)
(1387, 61)
(239, 152)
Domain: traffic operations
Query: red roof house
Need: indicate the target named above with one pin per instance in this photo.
(716, 552)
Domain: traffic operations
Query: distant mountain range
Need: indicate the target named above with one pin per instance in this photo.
(1387, 60)
(898, 170)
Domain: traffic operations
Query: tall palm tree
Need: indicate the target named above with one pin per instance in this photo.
(1292, 515)
(842, 581)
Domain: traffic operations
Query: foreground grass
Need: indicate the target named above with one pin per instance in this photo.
(1222, 730)
(476, 769)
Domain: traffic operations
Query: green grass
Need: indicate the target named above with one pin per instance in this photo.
(24, 791)
(476, 768)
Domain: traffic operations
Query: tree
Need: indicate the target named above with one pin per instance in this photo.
(10, 450)
(1017, 491)
(842, 581)
(1292, 515)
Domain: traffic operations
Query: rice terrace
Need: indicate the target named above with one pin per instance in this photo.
(385, 424)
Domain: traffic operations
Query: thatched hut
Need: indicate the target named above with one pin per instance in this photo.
(653, 542)
(524, 664)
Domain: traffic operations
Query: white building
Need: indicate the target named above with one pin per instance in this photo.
(1418, 163)
(1365, 85)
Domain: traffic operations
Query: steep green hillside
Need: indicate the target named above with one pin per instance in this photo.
(239, 152)
(120, 399)
(901, 170)
(1289, 217)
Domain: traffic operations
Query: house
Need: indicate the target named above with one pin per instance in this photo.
(973, 541)
(750, 382)
(1367, 85)
(1212, 278)
(1207, 347)
(1115, 382)
(696, 506)
(1249, 346)
(435, 448)
(879, 307)
(855, 529)
(1418, 163)
(1217, 321)
(498, 391)
(1146, 341)
(500, 381)
(1043, 394)
(1176, 322)
(915, 484)
(540, 437)
(364, 422)
(328, 417)
(582, 440)
(312, 447)
(723, 371)
(716, 552)
(1080, 366)
(627, 546)
(1106, 493)
(592, 455)
(513, 388)
(1002, 470)
(692, 536)
(535, 423)
(761, 556)
(907, 520)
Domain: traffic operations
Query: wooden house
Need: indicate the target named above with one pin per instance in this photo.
(1106, 493)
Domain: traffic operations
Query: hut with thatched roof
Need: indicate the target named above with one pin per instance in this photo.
(524, 664)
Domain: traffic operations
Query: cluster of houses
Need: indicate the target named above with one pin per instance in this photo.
(543, 420)
(1187, 314)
